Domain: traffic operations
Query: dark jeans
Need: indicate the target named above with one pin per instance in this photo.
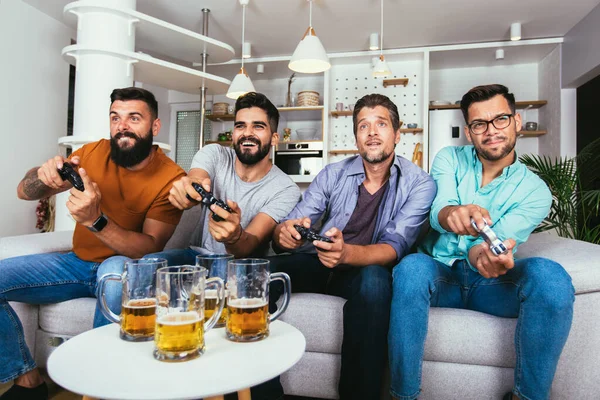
(366, 320)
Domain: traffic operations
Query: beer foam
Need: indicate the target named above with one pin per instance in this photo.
(213, 293)
(141, 303)
(247, 302)
(181, 318)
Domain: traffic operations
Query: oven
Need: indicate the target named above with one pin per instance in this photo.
(301, 158)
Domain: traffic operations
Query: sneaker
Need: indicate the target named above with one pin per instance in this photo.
(16, 392)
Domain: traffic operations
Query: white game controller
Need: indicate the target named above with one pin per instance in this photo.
(496, 245)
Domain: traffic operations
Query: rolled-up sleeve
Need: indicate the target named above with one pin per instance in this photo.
(402, 230)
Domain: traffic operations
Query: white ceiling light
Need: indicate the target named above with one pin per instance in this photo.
(241, 83)
(310, 56)
(381, 67)
(500, 54)
(374, 41)
(246, 50)
(515, 31)
(260, 68)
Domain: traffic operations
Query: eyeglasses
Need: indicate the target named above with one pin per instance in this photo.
(481, 127)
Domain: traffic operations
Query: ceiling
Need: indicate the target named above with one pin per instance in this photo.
(274, 27)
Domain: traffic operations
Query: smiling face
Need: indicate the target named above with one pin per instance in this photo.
(252, 135)
(132, 128)
(375, 135)
(494, 144)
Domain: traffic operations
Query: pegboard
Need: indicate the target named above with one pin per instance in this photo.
(351, 82)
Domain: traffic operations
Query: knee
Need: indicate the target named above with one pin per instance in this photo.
(549, 284)
(376, 287)
(412, 272)
(114, 264)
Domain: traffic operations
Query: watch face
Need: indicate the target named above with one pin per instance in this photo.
(99, 224)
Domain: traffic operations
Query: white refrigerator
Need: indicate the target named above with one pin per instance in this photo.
(443, 125)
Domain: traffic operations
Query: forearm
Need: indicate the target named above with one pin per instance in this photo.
(243, 245)
(32, 188)
(372, 254)
(443, 217)
(128, 243)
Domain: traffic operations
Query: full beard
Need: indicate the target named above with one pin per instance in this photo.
(506, 149)
(133, 155)
(377, 158)
(245, 156)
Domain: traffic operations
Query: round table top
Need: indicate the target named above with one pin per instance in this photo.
(98, 363)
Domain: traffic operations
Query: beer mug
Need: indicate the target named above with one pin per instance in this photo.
(248, 300)
(216, 264)
(138, 301)
(180, 326)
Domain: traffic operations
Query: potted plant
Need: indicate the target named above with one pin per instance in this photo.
(575, 206)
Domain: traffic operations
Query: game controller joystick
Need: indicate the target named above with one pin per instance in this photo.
(68, 173)
(311, 235)
(496, 245)
(208, 200)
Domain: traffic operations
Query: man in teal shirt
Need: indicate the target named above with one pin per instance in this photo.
(456, 268)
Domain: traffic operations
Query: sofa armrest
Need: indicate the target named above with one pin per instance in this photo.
(580, 259)
(36, 243)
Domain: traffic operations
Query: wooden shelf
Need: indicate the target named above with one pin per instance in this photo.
(519, 104)
(220, 117)
(532, 133)
(221, 142)
(308, 108)
(394, 82)
(412, 130)
(345, 113)
(343, 151)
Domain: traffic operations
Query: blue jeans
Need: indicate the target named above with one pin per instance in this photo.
(44, 279)
(176, 256)
(366, 320)
(537, 291)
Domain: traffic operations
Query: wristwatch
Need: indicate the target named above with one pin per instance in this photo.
(99, 224)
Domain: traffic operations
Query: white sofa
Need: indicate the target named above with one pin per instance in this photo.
(468, 355)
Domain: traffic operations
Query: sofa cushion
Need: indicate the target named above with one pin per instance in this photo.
(70, 317)
(579, 259)
(13, 246)
(319, 318)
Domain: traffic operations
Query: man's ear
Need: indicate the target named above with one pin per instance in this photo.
(518, 122)
(274, 139)
(468, 134)
(156, 126)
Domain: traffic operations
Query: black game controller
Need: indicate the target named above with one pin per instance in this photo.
(208, 200)
(496, 245)
(311, 235)
(68, 173)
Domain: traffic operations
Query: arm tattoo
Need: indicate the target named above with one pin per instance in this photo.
(33, 187)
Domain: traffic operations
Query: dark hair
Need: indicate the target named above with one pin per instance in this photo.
(253, 99)
(483, 93)
(135, 93)
(372, 101)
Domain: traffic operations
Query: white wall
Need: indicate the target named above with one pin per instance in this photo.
(550, 114)
(581, 51)
(33, 105)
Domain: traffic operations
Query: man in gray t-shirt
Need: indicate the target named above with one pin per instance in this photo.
(258, 193)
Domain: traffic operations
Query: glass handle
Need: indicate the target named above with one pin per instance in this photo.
(218, 282)
(111, 316)
(287, 293)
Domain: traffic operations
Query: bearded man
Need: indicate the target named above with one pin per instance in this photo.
(123, 212)
(258, 193)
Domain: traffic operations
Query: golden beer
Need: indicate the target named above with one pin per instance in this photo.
(138, 317)
(211, 302)
(247, 319)
(178, 334)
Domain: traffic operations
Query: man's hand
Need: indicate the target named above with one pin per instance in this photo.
(288, 237)
(490, 265)
(85, 206)
(48, 172)
(457, 219)
(229, 230)
(331, 254)
(183, 187)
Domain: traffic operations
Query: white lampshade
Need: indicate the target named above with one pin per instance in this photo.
(515, 31)
(381, 67)
(310, 56)
(240, 85)
(374, 41)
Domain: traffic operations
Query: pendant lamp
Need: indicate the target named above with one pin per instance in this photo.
(381, 68)
(241, 83)
(310, 56)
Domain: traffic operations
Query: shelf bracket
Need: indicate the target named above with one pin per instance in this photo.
(132, 22)
(129, 67)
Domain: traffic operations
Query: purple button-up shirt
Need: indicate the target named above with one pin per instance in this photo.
(333, 194)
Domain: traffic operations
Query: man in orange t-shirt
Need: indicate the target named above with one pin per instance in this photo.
(123, 212)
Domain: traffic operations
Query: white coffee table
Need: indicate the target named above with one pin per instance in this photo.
(99, 364)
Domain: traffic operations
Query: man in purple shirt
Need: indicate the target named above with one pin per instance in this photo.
(372, 207)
